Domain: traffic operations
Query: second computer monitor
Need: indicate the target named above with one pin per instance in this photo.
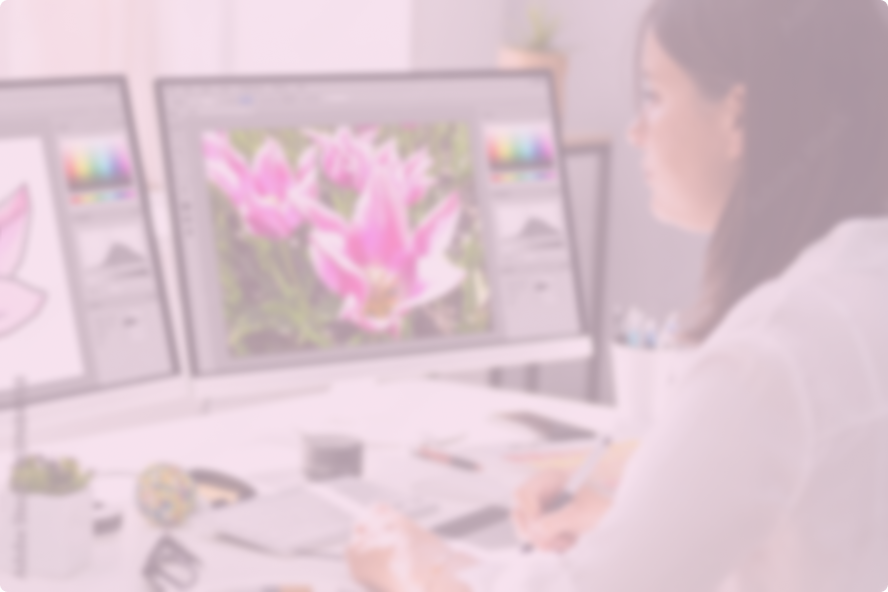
(380, 223)
(82, 301)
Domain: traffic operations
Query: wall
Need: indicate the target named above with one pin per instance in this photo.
(282, 36)
(148, 38)
(455, 34)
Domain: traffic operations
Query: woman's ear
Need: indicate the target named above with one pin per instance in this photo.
(734, 108)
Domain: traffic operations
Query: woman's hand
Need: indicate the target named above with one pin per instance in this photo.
(388, 553)
(558, 531)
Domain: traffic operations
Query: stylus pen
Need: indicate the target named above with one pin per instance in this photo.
(563, 498)
(449, 459)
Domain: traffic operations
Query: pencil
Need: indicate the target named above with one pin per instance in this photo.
(448, 459)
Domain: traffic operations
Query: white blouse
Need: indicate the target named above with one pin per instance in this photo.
(768, 471)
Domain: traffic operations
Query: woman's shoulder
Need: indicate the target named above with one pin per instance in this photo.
(841, 279)
(825, 321)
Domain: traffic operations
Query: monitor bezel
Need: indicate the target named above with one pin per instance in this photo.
(361, 358)
(122, 84)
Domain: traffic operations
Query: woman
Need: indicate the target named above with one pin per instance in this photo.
(764, 126)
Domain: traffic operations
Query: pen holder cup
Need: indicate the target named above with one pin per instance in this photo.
(640, 378)
(57, 536)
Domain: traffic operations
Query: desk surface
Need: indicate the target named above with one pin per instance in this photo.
(262, 444)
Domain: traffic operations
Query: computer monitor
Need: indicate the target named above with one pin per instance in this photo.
(82, 302)
(338, 228)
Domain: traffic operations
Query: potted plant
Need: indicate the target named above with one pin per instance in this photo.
(536, 47)
(48, 507)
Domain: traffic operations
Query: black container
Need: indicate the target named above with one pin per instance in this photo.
(331, 457)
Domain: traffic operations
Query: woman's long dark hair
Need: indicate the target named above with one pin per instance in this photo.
(816, 124)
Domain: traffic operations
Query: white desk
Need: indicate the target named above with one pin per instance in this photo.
(262, 444)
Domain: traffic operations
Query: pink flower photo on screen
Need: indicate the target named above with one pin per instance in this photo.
(263, 191)
(19, 303)
(346, 236)
(417, 176)
(347, 156)
(378, 265)
(414, 174)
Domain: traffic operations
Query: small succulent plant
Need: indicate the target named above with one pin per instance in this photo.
(36, 475)
(543, 30)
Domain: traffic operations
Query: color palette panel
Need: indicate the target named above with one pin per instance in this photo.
(518, 177)
(98, 198)
(94, 163)
(521, 154)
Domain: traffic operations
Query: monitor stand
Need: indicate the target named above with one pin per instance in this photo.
(346, 394)
(354, 387)
(228, 391)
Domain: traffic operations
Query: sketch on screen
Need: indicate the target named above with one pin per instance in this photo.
(20, 303)
(40, 330)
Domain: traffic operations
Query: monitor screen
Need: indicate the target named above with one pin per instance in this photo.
(329, 220)
(82, 307)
